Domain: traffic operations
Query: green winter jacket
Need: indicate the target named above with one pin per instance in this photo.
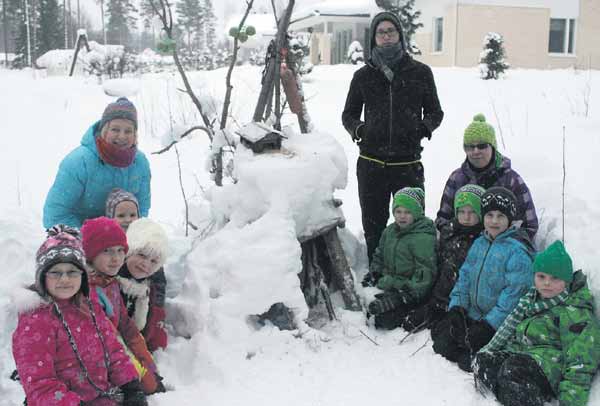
(406, 258)
(565, 342)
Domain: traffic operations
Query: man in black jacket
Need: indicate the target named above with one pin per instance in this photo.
(401, 107)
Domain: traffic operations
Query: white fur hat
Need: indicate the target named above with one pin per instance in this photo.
(148, 237)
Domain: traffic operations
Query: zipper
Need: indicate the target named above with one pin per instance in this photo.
(479, 277)
(391, 118)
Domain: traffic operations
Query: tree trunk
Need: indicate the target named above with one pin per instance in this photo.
(102, 16)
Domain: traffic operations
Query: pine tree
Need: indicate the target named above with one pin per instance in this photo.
(492, 63)
(210, 22)
(50, 32)
(200, 28)
(121, 21)
(187, 11)
(408, 19)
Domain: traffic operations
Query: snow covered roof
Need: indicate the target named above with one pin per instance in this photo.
(55, 58)
(255, 131)
(358, 8)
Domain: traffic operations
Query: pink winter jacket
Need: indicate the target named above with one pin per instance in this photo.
(47, 366)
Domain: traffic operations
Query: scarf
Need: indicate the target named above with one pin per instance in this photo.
(112, 155)
(386, 58)
(529, 305)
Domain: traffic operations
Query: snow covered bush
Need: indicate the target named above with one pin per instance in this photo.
(491, 60)
(355, 53)
(110, 61)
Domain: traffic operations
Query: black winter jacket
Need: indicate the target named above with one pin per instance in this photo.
(397, 114)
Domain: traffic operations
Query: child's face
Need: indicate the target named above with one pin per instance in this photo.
(110, 260)
(548, 286)
(120, 133)
(63, 281)
(467, 216)
(495, 223)
(142, 266)
(403, 217)
(126, 213)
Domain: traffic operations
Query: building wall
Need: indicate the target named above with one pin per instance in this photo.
(424, 39)
(587, 46)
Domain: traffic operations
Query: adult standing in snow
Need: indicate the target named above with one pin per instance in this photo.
(401, 107)
(487, 167)
(107, 158)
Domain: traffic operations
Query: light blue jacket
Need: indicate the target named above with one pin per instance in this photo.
(84, 181)
(494, 276)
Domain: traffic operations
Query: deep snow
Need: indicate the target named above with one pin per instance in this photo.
(250, 256)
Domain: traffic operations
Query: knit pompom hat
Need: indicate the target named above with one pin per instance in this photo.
(122, 108)
(117, 196)
(501, 199)
(555, 261)
(469, 195)
(101, 233)
(480, 132)
(62, 245)
(149, 238)
(412, 199)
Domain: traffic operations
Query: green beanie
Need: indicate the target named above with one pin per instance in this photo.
(555, 261)
(411, 198)
(479, 132)
(469, 195)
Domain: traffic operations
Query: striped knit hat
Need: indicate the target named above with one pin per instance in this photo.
(122, 108)
(117, 196)
(411, 198)
(469, 195)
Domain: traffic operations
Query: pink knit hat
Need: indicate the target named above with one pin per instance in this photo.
(101, 233)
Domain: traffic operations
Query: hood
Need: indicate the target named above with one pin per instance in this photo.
(580, 295)
(385, 15)
(422, 225)
(89, 138)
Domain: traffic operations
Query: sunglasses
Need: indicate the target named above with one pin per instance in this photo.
(471, 147)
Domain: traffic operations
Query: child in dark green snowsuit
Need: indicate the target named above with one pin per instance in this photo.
(404, 263)
(549, 346)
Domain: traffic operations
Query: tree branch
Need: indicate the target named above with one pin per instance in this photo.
(185, 134)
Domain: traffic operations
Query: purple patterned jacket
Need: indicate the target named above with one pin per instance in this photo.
(500, 174)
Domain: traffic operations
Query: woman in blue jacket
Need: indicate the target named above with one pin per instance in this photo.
(494, 276)
(107, 158)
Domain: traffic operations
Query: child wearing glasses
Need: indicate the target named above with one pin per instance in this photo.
(404, 263)
(494, 276)
(548, 346)
(486, 166)
(64, 346)
(105, 246)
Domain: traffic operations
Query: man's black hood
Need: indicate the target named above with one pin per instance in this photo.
(385, 16)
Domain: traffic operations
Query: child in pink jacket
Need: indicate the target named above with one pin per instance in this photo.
(105, 246)
(65, 349)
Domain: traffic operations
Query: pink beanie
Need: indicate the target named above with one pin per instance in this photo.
(101, 233)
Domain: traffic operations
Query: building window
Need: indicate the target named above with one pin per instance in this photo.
(562, 36)
(438, 34)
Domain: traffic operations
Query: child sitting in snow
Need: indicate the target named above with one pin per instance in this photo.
(123, 207)
(65, 349)
(548, 346)
(403, 264)
(494, 276)
(105, 246)
(143, 296)
(456, 237)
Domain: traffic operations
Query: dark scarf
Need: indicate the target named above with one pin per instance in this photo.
(386, 58)
(112, 155)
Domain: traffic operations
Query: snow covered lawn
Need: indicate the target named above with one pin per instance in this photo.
(215, 357)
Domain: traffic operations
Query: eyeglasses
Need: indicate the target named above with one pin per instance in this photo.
(56, 275)
(390, 32)
(471, 147)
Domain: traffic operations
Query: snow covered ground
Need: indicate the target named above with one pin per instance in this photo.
(251, 257)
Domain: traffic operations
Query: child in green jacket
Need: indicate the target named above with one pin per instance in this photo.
(549, 346)
(404, 263)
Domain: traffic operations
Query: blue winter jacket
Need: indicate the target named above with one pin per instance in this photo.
(494, 276)
(84, 181)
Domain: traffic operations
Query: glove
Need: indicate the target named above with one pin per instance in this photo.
(358, 134)
(387, 301)
(149, 382)
(154, 331)
(133, 394)
(420, 317)
(480, 333)
(458, 323)
(371, 279)
(160, 387)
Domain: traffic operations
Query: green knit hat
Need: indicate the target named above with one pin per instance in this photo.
(469, 195)
(479, 132)
(555, 261)
(411, 198)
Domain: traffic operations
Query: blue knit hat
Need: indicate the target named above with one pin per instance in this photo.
(122, 108)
